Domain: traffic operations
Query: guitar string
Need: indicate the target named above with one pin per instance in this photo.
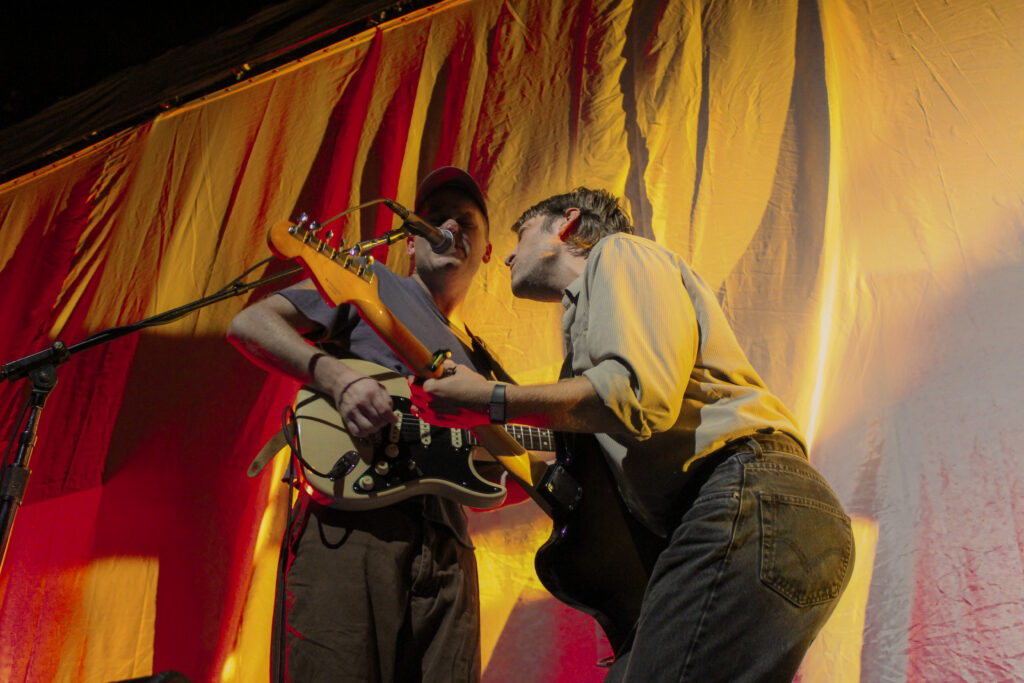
(347, 211)
(409, 429)
(350, 210)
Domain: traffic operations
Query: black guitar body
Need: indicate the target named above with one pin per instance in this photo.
(599, 557)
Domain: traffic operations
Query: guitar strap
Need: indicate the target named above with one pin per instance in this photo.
(278, 442)
(558, 487)
(566, 371)
(479, 351)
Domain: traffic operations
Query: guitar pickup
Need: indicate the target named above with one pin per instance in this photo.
(560, 488)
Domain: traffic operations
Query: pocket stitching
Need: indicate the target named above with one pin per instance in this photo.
(782, 586)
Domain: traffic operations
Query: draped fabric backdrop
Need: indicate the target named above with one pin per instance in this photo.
(846, 174)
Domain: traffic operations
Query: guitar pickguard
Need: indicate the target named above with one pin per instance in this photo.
(412, 458)
(412, 451)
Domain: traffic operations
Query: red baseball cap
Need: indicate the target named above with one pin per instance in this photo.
(456, 178)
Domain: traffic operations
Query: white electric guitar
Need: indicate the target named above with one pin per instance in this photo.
(408, 459)
(358, 475)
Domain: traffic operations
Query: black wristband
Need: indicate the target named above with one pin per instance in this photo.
(346, 387)
(496, 408)
(313, 360)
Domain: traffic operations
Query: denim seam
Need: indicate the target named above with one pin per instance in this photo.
(712, 496)
(795, 471)
(806, 502)
(718, 577)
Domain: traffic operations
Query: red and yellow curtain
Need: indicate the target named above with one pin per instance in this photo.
(846, 174)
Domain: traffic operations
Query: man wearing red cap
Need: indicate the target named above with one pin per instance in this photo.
(386, 594)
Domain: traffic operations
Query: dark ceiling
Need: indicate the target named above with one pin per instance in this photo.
(47, 56)
(71, 78)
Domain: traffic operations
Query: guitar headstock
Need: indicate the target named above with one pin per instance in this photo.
(338, 274)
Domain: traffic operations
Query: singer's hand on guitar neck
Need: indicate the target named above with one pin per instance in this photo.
(459, 399)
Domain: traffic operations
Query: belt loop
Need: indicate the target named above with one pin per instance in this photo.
(755, 446)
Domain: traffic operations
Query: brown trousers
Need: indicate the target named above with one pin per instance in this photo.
(382, 595)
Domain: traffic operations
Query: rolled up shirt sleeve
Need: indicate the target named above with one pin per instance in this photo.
(640, 334)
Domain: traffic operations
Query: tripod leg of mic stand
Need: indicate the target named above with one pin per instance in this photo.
(11, 495)
(15, 478)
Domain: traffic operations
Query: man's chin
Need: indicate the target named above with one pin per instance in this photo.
(523, 290)
(449, 265)
(453, 257)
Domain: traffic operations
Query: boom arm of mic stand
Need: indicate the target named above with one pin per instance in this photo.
(390, 237)
(42, 368)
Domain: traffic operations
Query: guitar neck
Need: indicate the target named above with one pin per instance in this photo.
(352, 280)
(532, 438)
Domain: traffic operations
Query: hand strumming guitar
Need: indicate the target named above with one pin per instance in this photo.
(365, 406)
(363, 403)
(458, 399)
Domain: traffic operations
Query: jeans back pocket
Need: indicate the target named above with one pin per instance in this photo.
(806, 548)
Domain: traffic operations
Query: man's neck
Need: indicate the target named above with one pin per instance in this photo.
(572, 266)
(447, 296)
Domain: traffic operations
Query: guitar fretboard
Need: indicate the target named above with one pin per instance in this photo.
(532, 438)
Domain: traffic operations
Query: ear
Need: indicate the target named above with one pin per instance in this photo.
(410, 249)
(487, 253)
(572, 221)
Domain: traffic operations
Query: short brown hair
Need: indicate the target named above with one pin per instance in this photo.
(600, 216)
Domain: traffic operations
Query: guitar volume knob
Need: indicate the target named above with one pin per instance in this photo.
(365, 482)
(381, 467)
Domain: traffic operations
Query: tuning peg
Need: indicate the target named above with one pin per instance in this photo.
(299, 224)
(365, 267)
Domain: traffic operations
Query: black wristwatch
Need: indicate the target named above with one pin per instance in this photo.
(496, 408)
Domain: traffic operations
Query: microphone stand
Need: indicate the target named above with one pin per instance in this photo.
(41, 368)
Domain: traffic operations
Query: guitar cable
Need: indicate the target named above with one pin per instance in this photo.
(283, 562)
(291, 517)
(288, 418)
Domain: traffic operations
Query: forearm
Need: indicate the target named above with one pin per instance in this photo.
(462, 400)
(270, 334)
(269, 340)
(570, 405)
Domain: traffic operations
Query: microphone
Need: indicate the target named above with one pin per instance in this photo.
(440, 240)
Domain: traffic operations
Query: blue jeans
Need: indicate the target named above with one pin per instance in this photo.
(752, 571)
